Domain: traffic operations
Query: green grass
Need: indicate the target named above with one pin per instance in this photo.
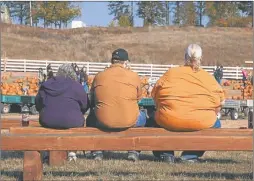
(217, 166)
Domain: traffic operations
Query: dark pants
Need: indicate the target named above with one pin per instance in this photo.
(93, 122)
(186, 155)
(244, 81)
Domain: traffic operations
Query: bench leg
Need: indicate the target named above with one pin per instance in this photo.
(57, 158)
(32, 166)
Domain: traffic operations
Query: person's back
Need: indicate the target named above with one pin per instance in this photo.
(187, 99)
(116, 95)
(221, 72)
(61, 102)
(114, 100)
(244, 73)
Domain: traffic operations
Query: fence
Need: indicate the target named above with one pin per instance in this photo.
(151, 70)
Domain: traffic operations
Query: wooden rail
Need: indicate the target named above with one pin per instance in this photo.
(144, 139)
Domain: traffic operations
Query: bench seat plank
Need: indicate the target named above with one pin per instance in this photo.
(7, 123)
(116, 142)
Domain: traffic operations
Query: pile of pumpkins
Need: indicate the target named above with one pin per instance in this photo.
(246, 92)
(146, 89)
(18, 86)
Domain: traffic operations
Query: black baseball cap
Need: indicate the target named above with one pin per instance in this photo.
(120, 54)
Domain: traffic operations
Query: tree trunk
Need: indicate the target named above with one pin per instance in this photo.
(132, 10)
(167, 13)
(200, 16)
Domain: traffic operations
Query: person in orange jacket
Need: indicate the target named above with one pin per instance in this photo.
(187, 99)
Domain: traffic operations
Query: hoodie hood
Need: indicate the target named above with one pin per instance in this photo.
(57, 85)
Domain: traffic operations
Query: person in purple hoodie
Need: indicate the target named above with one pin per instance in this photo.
(61, 100)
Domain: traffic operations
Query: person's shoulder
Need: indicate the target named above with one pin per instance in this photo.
(203, 71)
(178, 69)
(100, 74)
(132, 74)
(206, 75)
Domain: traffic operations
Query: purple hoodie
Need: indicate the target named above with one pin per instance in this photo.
(62, 103)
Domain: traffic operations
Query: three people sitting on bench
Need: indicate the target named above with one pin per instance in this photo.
(187, 99)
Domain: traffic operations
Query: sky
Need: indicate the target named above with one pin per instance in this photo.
(97, 14)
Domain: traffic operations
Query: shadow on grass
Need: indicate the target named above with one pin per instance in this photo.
(84, 174)
(11, 154)
(216, 175)
(222, 161)
(111, 155)
(18, 174)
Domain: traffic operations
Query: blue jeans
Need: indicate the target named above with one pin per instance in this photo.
(86, 87)
(186, 155)
(141, 122)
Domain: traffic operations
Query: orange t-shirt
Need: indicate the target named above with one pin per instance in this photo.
(115, 93)
(186, 100)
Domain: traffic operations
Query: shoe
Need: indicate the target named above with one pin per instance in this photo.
(167, 158)
(72, 156)
(98, 157)
(195, 160)
(133, 157)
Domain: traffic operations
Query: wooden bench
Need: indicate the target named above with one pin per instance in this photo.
(33, 140)
(7, 123)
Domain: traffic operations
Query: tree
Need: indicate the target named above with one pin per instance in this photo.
(132, 13)
(225, 12)
(118, 9)
(177, 12)
(188, 14)
(200, 11)
(124, 21)
(19, 10)
(167, 12)
(152, 12)
(246, 7)
(58, 13)
(112, 24)
(5, 14)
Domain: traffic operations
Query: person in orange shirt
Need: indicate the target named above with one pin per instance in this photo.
(187, 99)
(115, 93)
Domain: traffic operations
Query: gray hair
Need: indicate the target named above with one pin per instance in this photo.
(66, 70)
(193, 56)
(124, 63)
